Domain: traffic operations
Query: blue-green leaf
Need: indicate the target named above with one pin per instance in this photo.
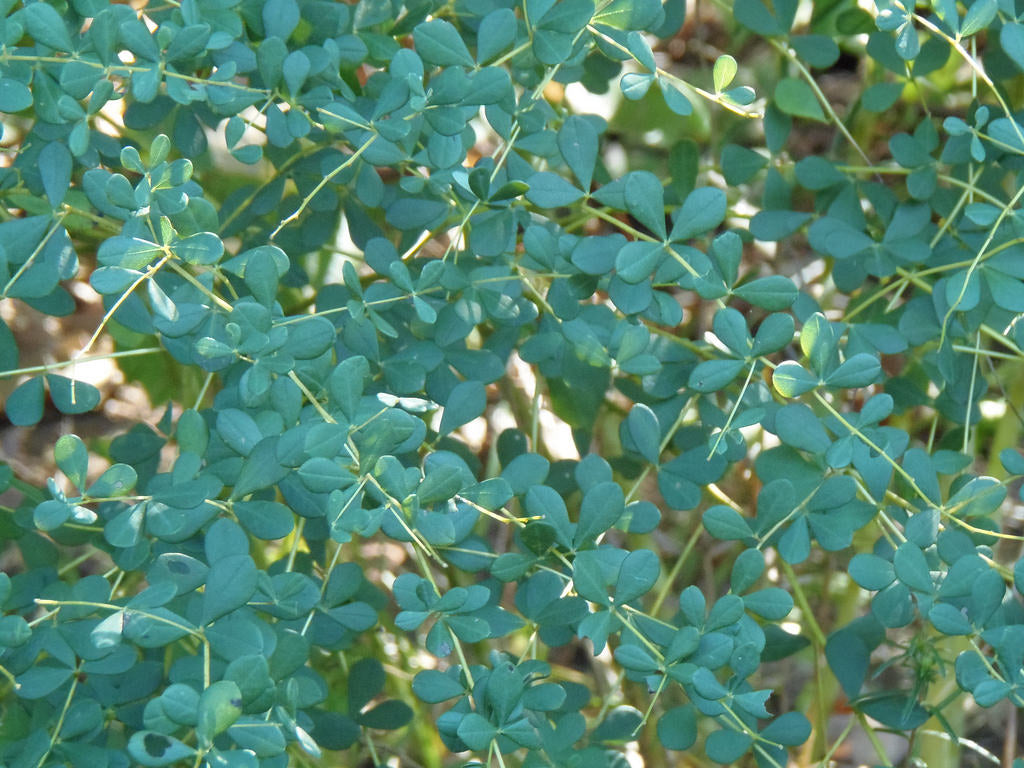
(702, 211)
(467, 401)
(439, 42)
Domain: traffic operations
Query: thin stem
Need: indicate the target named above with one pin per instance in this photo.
(970, 394)
(875, 447)
(320, 185)
(293, 551)
(677, 566)
(817, 635)
(47, 367)
(790, 54)
(32, 257)
(732, 413)
(60, 720)
(873, 738)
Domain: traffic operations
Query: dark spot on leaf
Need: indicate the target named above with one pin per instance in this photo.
(156, 744)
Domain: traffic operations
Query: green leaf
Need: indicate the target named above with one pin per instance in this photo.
(366, 679)
(602, 506)
(702, 211)
(638, 574)
(251, 673)
(644, 431)
(645, 200)
(549, 190)
(861, 370)
(740, 164)
(433, 686)
(979, 16)
(263, 738)
(742, 95)
(310, 338)
(201, 248)
(467, 401)
(51, 514)
(14, 631)
(949, 620)
(149, 748)
(503, 690)
(388, 715)
(634, 85)
(641, 51)
(72, 459)
(753, 15)
(881, 96)
(725, 524)
(439, 42)
(230, 584)
(619, 725)
(726, 747)
(8, 346)
(593, 570)
(47, 26)
(726, 611)
(918, 463)
(908, 46)
(819, 51)
(127, 252)
(677, 728)
(746, 570)
(280, 17)
(54, 166)
(14, 95)
(225, 538)
(790, 729)
(72, 396)
(675, 99)
(730, 327)
(496, 33)
(476, 731)
(714, 375)
(24, 406)
(440, 484)
(636, 658)
(895, 709)
(578, 145)
(117, 480)
(795, 544)
(724, 71)
(1011, 37)
(795, 97)
(219, 706)
(772, 603)
(295, 70)
(871, 571)
(261, 277)
(238, 430)
(545, 697)
(265, 519)
(773, 293)
(637, 261)
(797, 425)
(819, 341)
(125, 530)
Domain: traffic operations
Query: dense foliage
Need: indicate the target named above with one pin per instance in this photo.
(375, 254)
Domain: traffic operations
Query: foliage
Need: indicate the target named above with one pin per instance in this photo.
(410, 233)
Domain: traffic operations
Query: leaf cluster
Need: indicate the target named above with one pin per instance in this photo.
(375, 231)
